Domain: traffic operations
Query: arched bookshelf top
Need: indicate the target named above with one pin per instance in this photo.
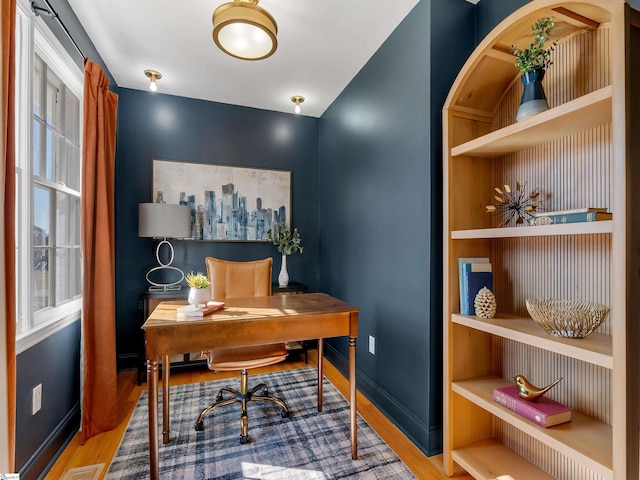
(490, 72)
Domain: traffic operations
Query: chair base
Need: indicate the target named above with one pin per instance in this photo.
(243, 397)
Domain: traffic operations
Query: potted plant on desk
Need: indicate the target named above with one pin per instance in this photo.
(199, 293)
(288, 242)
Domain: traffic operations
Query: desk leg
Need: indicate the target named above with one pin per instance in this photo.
(352, 391)
(152, 387)
(320, 358)
(166, 425)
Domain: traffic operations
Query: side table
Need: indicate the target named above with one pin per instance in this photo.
(291, 288)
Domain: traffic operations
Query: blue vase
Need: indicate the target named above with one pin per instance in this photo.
(533, 99)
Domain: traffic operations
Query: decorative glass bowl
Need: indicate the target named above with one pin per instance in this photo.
(567, 318)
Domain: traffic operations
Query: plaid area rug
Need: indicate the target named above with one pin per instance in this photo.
(307, 445)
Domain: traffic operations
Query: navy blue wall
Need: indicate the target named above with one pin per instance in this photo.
(155, 126)
(491, 12)
(55, 363)
(379, 237)
(448, 54)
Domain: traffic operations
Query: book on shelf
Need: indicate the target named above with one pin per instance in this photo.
(570, 211)
(461, 262)
(475, 276)
(195, 311)
(544, 412)
(571, 218)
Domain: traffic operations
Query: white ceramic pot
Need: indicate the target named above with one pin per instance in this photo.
(199, 296)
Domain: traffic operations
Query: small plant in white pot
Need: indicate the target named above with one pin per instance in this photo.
(288, 242)
(199, 294)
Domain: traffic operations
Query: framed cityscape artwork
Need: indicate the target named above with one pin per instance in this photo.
(227, 203)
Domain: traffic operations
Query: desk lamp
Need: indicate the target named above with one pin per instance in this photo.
(163, 220)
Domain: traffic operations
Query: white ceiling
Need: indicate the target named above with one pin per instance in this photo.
(322, 44)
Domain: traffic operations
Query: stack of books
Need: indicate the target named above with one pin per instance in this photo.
(544, 411)
(589, 214)
(474, 274)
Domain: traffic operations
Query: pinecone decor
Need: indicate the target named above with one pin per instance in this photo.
(485, 303)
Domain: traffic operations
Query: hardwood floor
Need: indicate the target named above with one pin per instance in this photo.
(101, 448)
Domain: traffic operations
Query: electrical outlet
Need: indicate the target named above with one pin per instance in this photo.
(372, 345)
(37, 399)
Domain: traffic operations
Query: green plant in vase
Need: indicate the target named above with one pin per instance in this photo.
(535, 56)
(199, 293)
(197, 280)
(532, 62)
(288, 241)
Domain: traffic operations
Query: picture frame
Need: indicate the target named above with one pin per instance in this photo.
(227, 203)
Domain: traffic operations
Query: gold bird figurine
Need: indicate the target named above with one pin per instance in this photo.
(530, 392)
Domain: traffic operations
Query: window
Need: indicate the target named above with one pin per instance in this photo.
(48, 130)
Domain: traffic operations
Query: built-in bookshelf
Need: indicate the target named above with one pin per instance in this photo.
(580, 153)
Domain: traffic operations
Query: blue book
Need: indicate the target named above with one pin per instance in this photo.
(475, 276)
(462, 261)
(571, 218)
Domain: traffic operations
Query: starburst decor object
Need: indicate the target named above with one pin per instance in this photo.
(515, 205)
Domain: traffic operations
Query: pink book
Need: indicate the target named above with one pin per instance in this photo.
(544, 412)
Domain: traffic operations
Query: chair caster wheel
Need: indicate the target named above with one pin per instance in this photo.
(284, 414)
(199, 426)
(244, 439)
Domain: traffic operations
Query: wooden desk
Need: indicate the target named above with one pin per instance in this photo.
(278, 318)
(294, 288)
(148, 300)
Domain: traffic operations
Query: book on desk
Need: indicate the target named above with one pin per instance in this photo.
(195, 311)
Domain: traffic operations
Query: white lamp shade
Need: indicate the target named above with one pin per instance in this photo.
(163, 220)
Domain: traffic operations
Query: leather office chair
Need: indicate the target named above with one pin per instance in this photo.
(235, 280)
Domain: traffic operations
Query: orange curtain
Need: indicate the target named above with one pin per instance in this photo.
(8, 187)
(100, 393)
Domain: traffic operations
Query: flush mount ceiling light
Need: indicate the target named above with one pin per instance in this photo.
(153, 76)
(244, 30)
(297, 99)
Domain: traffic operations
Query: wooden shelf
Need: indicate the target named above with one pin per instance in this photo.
(584, 439)
(580, 152)
(583, 113)
(582, 228)
(596, 348)
(490, 460)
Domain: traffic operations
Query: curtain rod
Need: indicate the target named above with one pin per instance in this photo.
(50, 11)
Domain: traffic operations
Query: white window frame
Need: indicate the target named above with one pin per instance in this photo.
(34, 36)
